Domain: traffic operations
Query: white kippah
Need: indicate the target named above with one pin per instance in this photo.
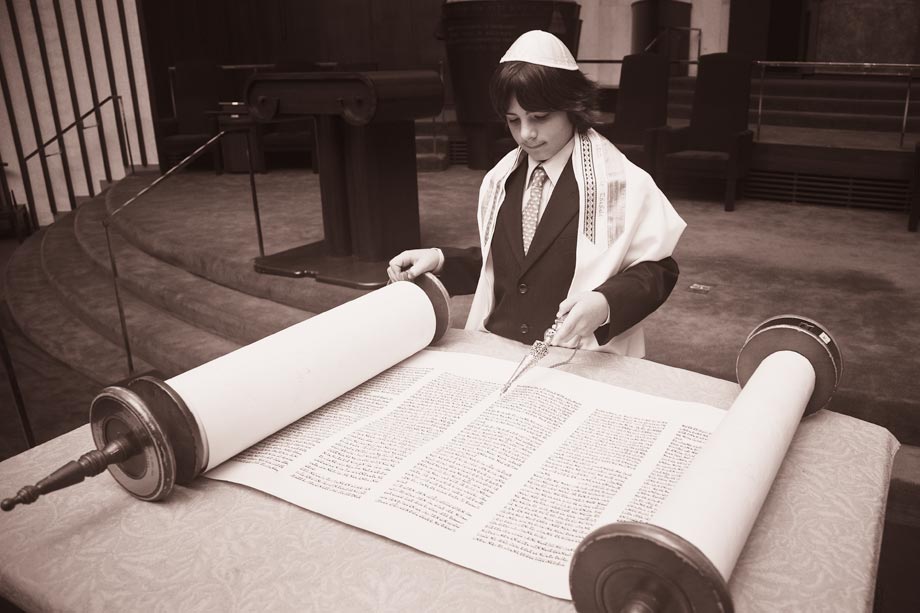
(539, 47)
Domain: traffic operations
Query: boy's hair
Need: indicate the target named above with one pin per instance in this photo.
(543, 88)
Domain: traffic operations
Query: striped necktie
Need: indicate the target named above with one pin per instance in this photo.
(531, 211)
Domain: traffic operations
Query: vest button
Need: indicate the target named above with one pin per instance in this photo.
(524, 329)
(522, 288)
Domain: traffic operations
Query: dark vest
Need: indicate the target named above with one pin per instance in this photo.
(528, 289)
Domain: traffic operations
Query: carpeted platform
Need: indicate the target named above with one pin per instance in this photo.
(851, 269)
(185, 253)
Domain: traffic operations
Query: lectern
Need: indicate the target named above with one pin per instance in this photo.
(366, 140)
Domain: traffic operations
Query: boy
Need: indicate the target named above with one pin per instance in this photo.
(569, 228)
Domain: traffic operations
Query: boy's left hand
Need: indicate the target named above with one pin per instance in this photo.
(584, 313)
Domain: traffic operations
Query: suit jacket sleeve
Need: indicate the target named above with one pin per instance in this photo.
(460, 273)
(634, 294)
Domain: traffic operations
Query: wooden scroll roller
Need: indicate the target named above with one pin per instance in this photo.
(152, 434)
(682, 559)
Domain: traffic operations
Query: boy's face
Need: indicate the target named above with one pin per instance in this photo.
(541, 133)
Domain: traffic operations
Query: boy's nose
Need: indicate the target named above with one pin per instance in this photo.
(529, 131)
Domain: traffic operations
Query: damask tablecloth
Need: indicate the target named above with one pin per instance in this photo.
(216, 546)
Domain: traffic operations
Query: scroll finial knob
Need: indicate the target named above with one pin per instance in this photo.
(89, 464)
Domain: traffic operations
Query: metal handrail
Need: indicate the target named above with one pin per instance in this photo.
(182, 164)
(123, 139)
(107, 221)
(791, 64)
(596, 61)
(589, 61)
(64, 130)
(871, 66)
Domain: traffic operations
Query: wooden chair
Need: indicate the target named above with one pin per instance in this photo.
(196, 85)
(717, 142)
(641, 106)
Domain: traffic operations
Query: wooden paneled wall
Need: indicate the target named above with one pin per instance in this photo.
(393, 34)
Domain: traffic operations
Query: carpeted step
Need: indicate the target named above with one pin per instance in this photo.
(48, 323)
(155, 225)
(222, 251)
(235, 315)
(167, 342)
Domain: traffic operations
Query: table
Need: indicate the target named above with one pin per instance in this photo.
(216, 546)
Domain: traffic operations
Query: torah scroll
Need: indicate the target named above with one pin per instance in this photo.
(348, 415)
(430, 454)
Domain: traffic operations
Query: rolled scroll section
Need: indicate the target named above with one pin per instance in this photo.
(196, 420)
(682, 559)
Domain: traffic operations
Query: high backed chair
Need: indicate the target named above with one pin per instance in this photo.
(641, 106)
(717, 141)
(196, 84)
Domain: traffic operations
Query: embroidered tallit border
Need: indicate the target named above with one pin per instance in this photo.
(587, 167)
(491, 212)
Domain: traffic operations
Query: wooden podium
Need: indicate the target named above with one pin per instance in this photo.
(366, 133)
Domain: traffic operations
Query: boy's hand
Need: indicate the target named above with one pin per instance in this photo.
(410, 264)
(584, 313)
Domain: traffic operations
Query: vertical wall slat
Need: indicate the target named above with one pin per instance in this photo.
(44, 82)
(74, 101)
(52, 98)
(113, 86)
(148, 68)
(30, 97)
(129, 64)
(94, 92)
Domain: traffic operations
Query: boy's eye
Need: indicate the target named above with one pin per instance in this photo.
(512, 119)
(539, 116)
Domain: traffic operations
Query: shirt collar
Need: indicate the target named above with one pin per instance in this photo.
(554, 165)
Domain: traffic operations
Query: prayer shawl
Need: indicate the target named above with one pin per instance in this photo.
(623, 219)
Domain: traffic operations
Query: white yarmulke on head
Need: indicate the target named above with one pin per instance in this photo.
(539, 47)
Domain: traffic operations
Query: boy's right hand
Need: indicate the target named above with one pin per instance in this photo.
(414, 262)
